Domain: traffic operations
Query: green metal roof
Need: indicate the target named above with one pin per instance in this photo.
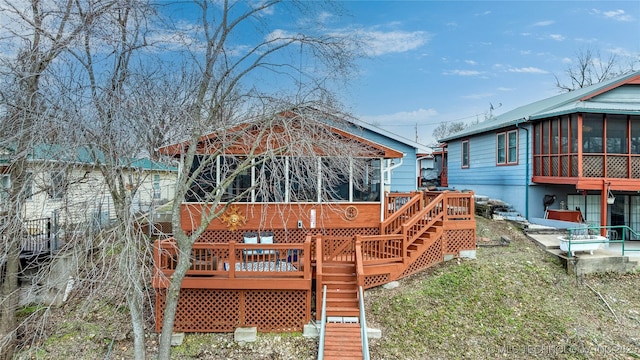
(565, 103)
(85, 156)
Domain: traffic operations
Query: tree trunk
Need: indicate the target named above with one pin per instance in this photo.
(9, 277)
(171, 302)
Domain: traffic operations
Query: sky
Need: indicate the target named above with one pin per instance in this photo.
(440, 61)
(430, 62)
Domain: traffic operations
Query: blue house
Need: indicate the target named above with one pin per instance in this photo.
(581, 147)
(401, 174)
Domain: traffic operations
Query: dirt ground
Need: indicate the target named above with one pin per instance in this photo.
(513, 301)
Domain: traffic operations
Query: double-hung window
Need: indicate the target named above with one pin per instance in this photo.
(465, 154)
(507, 148)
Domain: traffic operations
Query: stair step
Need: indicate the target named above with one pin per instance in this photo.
(338, 269)
(342, 311)
(343, 303)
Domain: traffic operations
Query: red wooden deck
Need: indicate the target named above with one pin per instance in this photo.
(224, 289)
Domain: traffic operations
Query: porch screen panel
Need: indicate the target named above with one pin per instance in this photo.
(634, 216)
(335, 179)
(238, 169)
(617, 139)
(366, 180)
(270, 180)
(303, 179)
(564, 135)
(555, 129)
(573, 123)
(635, 134)
(592, 133)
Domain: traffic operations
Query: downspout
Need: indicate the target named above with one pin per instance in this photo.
(419, 168)
(526, 172)
(386, 171)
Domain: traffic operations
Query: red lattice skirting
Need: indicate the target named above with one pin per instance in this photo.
(213, 310)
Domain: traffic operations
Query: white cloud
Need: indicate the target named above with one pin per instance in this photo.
(380, 42)
(557, 37)
(528, 70)
(477, 96)
(566, 60)
(505, 89)
(544, 23)
(471, 62)
(407, 117)
(616, 15)
(463, 72)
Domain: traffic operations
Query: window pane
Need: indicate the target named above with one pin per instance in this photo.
(501, 155)
(205, 183)
(564, 134)
(238, 168)
(366, 180)
(303, 179)
(271, 180)
(335, 179)
(592, 131)
(555, 135)
(545, 137)
(635, 134)
(537, 137)
(513, 147)
(465, 154)
(617, 134)
(58, 185)
(574, 133)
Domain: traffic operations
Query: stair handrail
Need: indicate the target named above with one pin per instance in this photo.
(437, 205)
(363, 326)
(407, 210)
(319, 272)
(323, 324)
(600, 230)
(359, 262)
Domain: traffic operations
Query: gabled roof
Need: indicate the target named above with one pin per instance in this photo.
(208, 142)
(620, 95)
(420, 148)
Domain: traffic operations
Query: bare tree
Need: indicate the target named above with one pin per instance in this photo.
(591, 68)
(448, 128)
(36, 34)
(226, 97)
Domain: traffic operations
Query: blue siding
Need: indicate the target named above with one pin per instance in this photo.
(404, 177)
(484, 177)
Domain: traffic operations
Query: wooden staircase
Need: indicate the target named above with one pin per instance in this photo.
(342, 289)
(343, 339)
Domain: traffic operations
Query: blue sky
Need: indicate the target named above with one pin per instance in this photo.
(437, 61)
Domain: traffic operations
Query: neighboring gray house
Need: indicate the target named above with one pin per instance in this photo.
(583, 147)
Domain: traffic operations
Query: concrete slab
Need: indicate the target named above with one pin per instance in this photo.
(245, 334)
(547, 241)
(374, 333)
(310, 331)
(177, 339)
(610, 259)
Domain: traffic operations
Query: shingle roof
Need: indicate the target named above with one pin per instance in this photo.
(581, 100)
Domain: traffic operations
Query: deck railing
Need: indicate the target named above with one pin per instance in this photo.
(394, 201)
(37, 237)
(582, 235)
(236, 260)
